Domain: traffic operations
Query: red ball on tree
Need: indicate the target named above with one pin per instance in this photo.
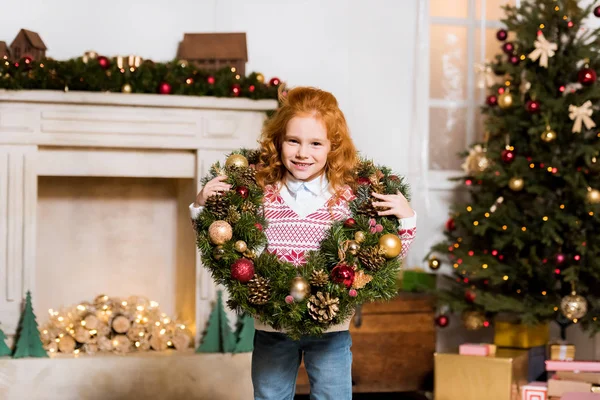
(501, 35)
(514, 60)
(394, 178)
(236, 89)
(450, 225)
(470, 296)
(350, 222)
(27, 59)
(363, 181)
(560, 258)
(442, 321)
(242, 270)
(343, 273)
(597, 12)
(210, 80)
(104, 62)
(274, 81)
(507, 156)
(251, 88)
(258, 226)
(508, 47)
(533, 106)
(164, 88)
(243, 192)
(491, 100)
(586, 76)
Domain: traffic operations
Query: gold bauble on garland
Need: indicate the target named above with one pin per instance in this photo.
(218, 252)
(434, 263)
(548, 135)
(473, 320)
(240, 246)
(360, 236)
(391, 245)
(516, 184)
(299, 288)
(593, 196)
(573, 306)
(236, 160)
(505, 100)
(260, 77)
(353, 247)
(219, 232)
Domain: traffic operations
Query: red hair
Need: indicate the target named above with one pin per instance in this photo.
(302, 101)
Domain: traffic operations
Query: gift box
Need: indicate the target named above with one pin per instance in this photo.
(558, 387)
(535, 391)
(499, 377)
(573, 366)
(521, 336)
(590, 377)
(417, 281)
(562, 351)
(477, 349)
(579, 396)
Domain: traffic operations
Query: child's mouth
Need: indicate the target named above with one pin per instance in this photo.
(301, 165)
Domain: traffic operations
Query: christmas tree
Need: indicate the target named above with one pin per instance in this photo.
(245, 335)
(218, 337)
(4, 350)
(526, 242)
(28, 336)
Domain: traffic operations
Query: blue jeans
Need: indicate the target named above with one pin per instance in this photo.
(276, 359)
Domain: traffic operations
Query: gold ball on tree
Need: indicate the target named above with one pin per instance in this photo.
(218, 252)
(593, 196)
(548, 135)
(126, 88)
(353, 247)
(219, 232)
(473, 320)
(516, 184)
(391, 245)
(240, 246)
(360, 236)
(573, 306)
(236, 160)
(260, 77)
(505, 100)
(434, 263)
(299, 288)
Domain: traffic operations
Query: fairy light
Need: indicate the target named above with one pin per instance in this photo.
(475, 223)
(45, 331)
(591, 213)
(61, 319)
(487, 215)
(140, 308)
(556, 8)
(504, 227)
(545, 218)
(169, 343)
(543, 293)
(163, 331)
(532, 165)
(555, 308)
(565, 17)
(83, 323)
(522, 57)
(469, 208)
(93, 332)
(237, 77)
(455, 265)
(518, 291)
(524, 228)
(157, 323)
(505, 277)
(81, 307)
(182, 326)
(124, 303)
(76, 351)
(233, 69)
(575, 320)
(542, 26)
(459, 240)
(562, 206)
(153, 304)
(595, 318)
(484, 266)
(137, 344)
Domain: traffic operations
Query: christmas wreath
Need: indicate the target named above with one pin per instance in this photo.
(357, 261)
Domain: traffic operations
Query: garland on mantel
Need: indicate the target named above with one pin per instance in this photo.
(95, 73)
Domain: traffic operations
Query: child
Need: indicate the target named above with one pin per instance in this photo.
(307, 159)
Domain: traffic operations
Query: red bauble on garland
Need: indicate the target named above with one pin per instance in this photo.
(586, 76)
(363, 181)
(450, 225)
(242, 270)
(514, 60)
(501, 35)
(243, 192)
(236, 89)
(597, 11)
(508, 47)
(350, 222)
(491, 100)
(508, 156)
(104, 62)
(533, 106)
(470, 296)
(210, 80)
(164, 88)
(343, 273)
(442, 321)
(274, 81)
(258, 226)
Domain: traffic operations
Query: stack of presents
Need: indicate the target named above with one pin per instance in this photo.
(520, 365)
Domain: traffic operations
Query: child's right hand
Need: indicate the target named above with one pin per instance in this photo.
(213, 187)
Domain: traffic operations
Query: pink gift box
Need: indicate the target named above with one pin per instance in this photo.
(581, 396)
(535, 391)
(582, 366)
(477, 349)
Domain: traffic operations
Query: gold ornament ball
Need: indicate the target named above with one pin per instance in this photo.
(260, 77)
(240, 246)
(593, 196)
(183, 63)
(573, 306)
(391, 245)
(516, 184)
(473, 320)
(218, 252)
(299, 288)
(360, 236)
(548, 135)
(219, 232)
(434, 263)
(353, 247)
(126, 88)
(236, 160)
(505, 100)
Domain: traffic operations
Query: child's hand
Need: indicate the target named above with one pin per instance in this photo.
(396, 203)
(213, 187)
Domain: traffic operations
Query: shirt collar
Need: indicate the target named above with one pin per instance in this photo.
(317, 186)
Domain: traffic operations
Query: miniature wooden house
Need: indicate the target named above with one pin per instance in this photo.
(4, 51)
(28, 44)
(213, 51)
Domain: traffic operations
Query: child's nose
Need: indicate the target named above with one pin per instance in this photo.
(301, 152)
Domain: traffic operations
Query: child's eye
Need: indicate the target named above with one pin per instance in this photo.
(292, 141)
(316, 143)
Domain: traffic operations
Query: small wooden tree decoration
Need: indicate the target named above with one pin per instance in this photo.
(28, 335)
(218, 337)
(245, 341)
(4, 350)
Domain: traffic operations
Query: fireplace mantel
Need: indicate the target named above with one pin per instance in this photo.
(83, 134)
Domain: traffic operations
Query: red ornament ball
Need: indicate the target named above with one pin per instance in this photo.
(274, 81)
(164, 88)
(514, 60)
(243, 192)
(27, 59)
(236, 89)
(104, 62)
(352, 293)
(586, 76)
(450, 225)
(533, 106)
(343, 273)
(242, 270)
(442, 321)
(597, 12)
(491, 100)
(470, 296)
(210, 80)
(501, 35)
(363, 181)
(251, 88)
(258, 226)
(508, 156)
(560, 258)
(508, 48)
(350, 222)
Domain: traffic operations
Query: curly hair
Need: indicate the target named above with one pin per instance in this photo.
(308, 101)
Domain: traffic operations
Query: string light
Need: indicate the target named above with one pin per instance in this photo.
(505, 277)
(556, 8)
(545, 218)
(555, 308)
(562, 206)
(484, 266)
(524, 228)
(504, 227)
(591, 213)
(522, 57)
(475, 223)
(469, 208)
(455, 265)
(574, 320)
(487, 215)
(542, 26)
(565, 17)
(544, 293)
(532, 165)
(519, 291)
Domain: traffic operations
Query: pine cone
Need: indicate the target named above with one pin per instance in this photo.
(259, 289)
(368, 209)
(248, 176)
(319, 278)
(253, 156)
(323, 308)
(371, 258)
(233, 215)
(248, 206)
(218, 206)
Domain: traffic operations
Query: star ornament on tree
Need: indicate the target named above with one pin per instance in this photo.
(543, 50)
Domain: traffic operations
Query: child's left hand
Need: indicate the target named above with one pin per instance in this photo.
(396, 203)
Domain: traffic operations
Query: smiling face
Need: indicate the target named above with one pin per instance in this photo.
(305, 148)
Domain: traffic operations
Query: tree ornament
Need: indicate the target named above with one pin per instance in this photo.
(360, 236)
(434, 263)
(104, 62)
(319, 278)
(274, 82)
(508, 48)
(543, 50)
(391, 245)
(361, 279)
(289, 299)
(237, 161)
(259, 290)
(514, 60)
(299, 288)
(597, 12)
(560, 258)
(219, 232)
(233, 215)
(126, 88)
(210, 80)
(505, 100)
(218, 205)
(353, 247)
(363, 181)
(477, 161)
(548, 135)
(236, 89)
(491, 100)
(260, 77)
(343, 273)
(240, 246)
(473, 320)
(242, 270)
(501, 35)
(350, 222)
(442, 320)
(533, 106)
(581, 115)
(323, 307)
(249, 253)
(593, 196)
(516, 184)
(573, 306)
(164, 88)
(450, 224)
(352, 293)
(258, 226)
(586, 76)
(371, 258)
(242, 191)
(470, 296)
(507, 156)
